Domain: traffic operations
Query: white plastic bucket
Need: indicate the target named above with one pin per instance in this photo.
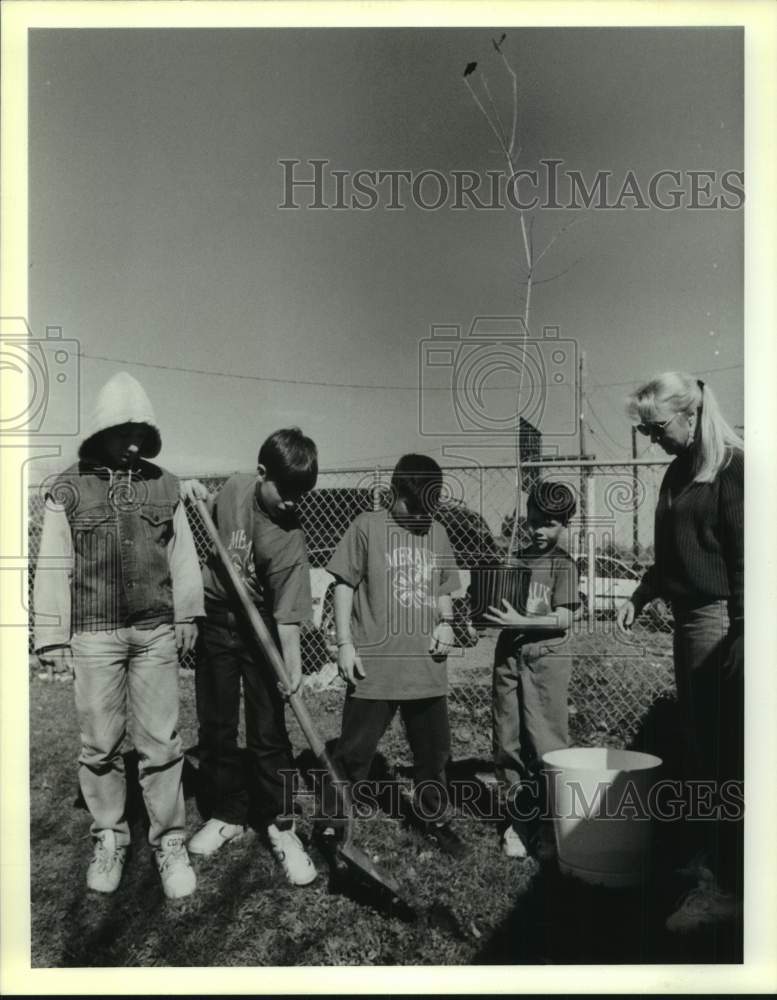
(600, 804)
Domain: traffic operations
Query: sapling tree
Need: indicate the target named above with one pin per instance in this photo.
(508, 139)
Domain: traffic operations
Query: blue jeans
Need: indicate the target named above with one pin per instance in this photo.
(365, 720)
(711, 703)
(129, 672)
(228, 654)
(529, 708)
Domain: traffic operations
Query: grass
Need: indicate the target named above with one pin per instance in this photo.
(485, 909)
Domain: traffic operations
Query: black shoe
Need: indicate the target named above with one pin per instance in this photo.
(327, 834)
(542, 843)
(447, 840)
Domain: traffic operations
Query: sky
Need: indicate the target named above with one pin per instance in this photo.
(158, 244)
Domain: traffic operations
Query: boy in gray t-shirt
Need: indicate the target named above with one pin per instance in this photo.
(395, 572)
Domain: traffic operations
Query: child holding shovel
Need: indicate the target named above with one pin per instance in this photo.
(256, 521)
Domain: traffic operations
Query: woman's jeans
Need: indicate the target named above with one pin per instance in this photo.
(710, 691)
(129, 672)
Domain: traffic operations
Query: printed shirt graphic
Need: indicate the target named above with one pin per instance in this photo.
(269, 556)
(412, 575)
(549, 580)
(397, 578)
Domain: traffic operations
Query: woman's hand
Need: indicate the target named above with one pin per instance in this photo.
(508, 617)
(349, 663)
(626, 615)
(734, 663)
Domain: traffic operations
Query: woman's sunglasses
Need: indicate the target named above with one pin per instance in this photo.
(654, 427)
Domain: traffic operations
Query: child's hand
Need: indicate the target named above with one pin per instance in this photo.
(192, 489)
(57, 660)
(509, 616)
(349, 663)
(443, 641)
(626, 615)
(185, 637)
(294, 673)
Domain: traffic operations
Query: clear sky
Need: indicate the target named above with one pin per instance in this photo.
(156, 238)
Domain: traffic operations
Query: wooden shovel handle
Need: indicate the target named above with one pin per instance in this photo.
(265, 640)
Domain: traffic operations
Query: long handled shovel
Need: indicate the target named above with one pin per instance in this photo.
(355, 858)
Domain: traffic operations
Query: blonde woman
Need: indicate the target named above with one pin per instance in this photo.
(699, 569)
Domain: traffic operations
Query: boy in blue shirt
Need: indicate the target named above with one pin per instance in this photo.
(531, 678)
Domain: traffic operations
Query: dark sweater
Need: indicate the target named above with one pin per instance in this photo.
(699, 537)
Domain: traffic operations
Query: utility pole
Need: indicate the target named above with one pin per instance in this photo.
(581, 448)
(635, 496)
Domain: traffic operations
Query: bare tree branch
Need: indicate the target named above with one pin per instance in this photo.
(512, 73)
(555, 236)
(544, 281)
(494, 110)
(485, 114)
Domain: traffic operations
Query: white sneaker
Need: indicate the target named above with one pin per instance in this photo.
(172, 860)
(512, 845)
(213, 835)
(288, 849)
(704, 907)
(105, 868)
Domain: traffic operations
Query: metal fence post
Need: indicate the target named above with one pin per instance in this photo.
(590, 542)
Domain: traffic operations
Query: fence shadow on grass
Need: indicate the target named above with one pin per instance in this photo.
(97, 925)
(560, 920)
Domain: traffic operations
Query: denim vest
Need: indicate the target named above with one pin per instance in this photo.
(121, 524)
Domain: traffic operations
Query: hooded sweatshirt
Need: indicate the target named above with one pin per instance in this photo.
(116, 548)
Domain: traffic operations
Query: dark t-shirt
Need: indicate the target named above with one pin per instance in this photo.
(549, 580)
(397, 576)
(270, 556)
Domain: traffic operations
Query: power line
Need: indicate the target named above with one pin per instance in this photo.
(346, 385)
(701, 371)
(608, 452)
(600, 422)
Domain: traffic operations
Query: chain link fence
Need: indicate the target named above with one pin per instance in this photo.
(615, 681)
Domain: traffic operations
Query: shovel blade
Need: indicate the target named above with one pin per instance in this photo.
(360, 861)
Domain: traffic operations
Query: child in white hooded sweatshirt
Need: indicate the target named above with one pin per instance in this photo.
(117, 591)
